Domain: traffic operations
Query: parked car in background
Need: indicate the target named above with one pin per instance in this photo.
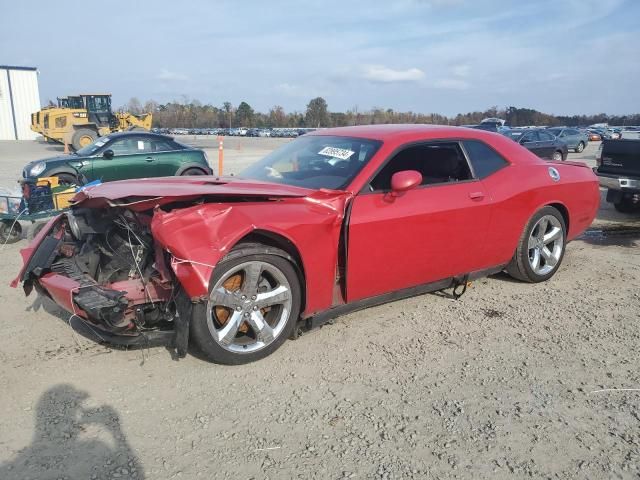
(575, 139)
(594, 136)
(618, 169)
(540, 142)
(120, 156)
(309, 232)
(614, 133)
(489, 127)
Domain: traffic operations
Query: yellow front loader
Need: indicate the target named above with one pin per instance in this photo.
(81, 124)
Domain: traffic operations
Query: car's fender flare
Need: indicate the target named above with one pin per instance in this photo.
(558, 205)
(196, 256)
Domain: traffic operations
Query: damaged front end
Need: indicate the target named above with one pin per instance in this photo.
(103, 266)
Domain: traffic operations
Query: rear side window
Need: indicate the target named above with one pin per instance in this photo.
(177, 146)
(484, 159)
(545, 137)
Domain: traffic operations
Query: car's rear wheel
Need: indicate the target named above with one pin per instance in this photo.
(253, 306)
(580, 147)
(557, 156)
(193, 171)
(541, 247)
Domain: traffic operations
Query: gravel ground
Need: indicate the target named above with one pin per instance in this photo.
(506, 382)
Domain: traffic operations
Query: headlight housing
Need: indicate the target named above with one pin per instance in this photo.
(37, 169)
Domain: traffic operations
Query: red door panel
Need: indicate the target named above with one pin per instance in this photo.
(424, 235)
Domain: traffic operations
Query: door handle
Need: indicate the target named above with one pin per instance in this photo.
(476, 195)
(149, 159)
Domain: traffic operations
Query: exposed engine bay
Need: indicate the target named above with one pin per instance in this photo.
(121, 280)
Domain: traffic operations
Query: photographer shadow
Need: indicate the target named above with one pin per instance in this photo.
(71, 441)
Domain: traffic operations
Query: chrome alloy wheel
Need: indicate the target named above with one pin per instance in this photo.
(546, 242)
(249, 307)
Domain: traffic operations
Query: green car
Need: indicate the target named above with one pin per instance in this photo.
(121, 156)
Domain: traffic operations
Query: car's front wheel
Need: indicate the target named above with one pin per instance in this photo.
(627, 205)
(66, 179)
(253, 306)
(580, 147)
(541, 247)
(557, 156)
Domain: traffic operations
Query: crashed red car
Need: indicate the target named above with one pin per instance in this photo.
(336, 220)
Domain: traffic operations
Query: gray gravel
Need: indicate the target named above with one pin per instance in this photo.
(503, 383)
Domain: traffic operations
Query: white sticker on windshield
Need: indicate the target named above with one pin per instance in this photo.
(341, 153)
(140, 145)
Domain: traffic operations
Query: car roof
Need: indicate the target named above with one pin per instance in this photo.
(395, 135)
(138, 133)
(403, 132)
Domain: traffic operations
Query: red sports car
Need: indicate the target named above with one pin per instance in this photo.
(334, 221)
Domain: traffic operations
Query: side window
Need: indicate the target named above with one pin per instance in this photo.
(158, 145)
(441, 162)
(122, 146)
(573, 132)
(484, 159)
(545, 137)
(529, 137)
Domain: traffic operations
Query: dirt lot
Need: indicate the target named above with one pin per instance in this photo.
(506, 382)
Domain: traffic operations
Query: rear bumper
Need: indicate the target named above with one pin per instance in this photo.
(623, 183)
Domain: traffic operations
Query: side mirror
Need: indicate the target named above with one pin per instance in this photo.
(405, 180)
(108, 154)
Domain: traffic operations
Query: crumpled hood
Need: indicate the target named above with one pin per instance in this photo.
(142, 194)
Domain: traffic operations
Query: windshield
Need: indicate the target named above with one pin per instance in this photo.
(315, 162)
(554, 131)
(93, 147)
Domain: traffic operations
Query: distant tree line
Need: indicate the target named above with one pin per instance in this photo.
(193, 114)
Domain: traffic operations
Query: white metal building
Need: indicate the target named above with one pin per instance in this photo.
(19, 98)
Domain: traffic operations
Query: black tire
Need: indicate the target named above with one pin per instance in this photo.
(519, 267)
(10, 232)
(83, 137)
(580, 147)
(626, 205)
(66, 179)
(557, 156)
(193, 171)
(199, 330)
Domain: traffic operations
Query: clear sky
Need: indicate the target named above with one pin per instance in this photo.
(444, 56)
